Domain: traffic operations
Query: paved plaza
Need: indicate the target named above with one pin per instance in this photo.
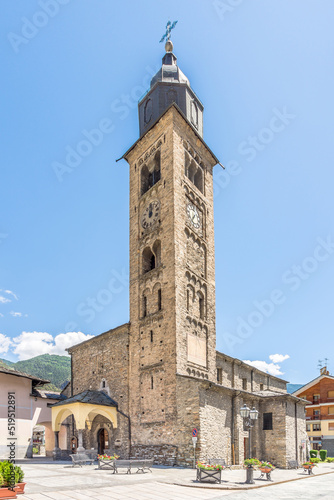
(60, 481)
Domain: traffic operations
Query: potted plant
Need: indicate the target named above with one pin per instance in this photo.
(19, 487)
(308, 466)
(266, 467)
(251, 462)
(7, 480)
(107, 461)
(209, 472)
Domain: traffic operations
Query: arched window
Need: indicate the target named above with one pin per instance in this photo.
(144, 179)
(144, 306)
(148, 260)
(157, 252)
(159, 300)
(150, 174)
(188, 299)
(201, 311)
(191, 172)
(198, 179)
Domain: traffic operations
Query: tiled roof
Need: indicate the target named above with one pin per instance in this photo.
(90, 397)
(11, 371)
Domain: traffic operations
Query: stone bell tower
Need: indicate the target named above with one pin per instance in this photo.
(172, 264)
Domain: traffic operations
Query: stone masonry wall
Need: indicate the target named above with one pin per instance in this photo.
(103, 360)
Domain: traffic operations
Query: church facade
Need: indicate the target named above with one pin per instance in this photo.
(162, 370)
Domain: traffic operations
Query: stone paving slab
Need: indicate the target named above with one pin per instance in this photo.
(59, 481)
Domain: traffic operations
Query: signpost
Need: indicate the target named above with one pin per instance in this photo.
(194, 438)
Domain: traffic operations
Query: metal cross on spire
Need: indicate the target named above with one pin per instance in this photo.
(169, 27)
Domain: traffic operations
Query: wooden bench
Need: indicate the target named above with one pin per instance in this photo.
(219, 461)
(81, 459)
(293, 464)
(140, 465)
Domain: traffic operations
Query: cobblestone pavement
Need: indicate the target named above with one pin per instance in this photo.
(59, 481)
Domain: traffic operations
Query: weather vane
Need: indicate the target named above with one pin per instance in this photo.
(169, 27)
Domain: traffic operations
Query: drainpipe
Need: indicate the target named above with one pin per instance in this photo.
(127, 416)
(232, 427)
(296, 431)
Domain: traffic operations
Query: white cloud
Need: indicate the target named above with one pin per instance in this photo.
(270, 368)
(4, 300)
(31, 344)
(278, 358)
(5, 343)
(16, 314)
(1, 315)
(9, 292)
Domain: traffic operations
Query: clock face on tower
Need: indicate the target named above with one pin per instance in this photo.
(150, 214)
(193, 216)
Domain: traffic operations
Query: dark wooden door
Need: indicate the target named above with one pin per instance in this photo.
(102, 440)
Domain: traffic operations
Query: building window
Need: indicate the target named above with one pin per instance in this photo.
(151, 332)
(148, 260)
(151, 381)
(308, 427)
(194, 172)
(267, 421)
(316, 398)
(331, 426)
(188, 299)
(316, 427)
(144, 306)
(159, 300)
(331, 410)
(244, 384)
(150, 174)
(261, 387)
(316, 413)
(201, 306)
(219, 375)
(330, 394)
(157, 252)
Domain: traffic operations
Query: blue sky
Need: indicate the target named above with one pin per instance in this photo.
(264, 72)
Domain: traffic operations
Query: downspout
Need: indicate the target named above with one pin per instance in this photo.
(296, 431)
(71, 396)
(232, 427)
(127, 416)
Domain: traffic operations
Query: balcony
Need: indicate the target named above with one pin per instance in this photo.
(313, 417)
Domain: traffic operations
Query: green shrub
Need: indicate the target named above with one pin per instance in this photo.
(35, 451)
(315, 460)
(323, 454)
(313, 453)
(8, 473)
(20, 473)
(330, 459)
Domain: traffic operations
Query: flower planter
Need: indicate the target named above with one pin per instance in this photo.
(308, 468)
(267, 471)
(19, 488)
(208, 476)
(7, 493)
(106, 464)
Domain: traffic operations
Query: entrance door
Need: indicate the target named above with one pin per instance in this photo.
(74, 444)
(102, 441)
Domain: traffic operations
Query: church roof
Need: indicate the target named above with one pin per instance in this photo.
(90, 397)
(169, 71)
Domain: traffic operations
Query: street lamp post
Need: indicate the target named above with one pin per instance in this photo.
(249, 417)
